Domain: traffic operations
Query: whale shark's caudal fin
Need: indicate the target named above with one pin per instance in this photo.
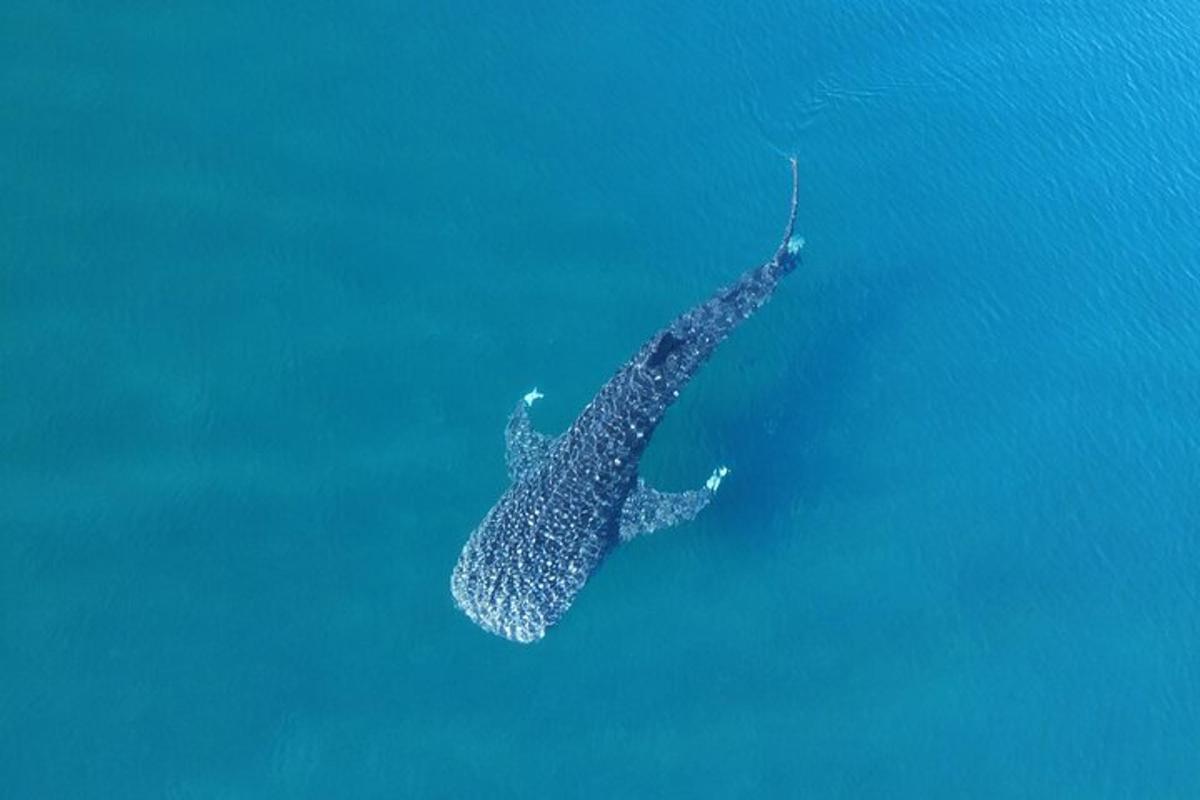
(788, 253)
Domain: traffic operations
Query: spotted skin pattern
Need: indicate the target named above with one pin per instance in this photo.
(573, 498)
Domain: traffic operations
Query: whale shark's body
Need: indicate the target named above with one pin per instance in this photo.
(574, 497)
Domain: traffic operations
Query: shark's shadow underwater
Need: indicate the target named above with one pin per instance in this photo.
(575, 497)
(816, 455)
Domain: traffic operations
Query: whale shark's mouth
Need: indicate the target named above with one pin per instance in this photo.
(493, 620)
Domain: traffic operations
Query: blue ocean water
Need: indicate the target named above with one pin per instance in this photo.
(272, 276)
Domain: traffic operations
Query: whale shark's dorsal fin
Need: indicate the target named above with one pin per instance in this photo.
(524, 447)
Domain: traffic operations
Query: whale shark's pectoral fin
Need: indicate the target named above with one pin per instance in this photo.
(524, 447)
(647, 510)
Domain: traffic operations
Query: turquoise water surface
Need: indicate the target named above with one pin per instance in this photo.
(273, 275)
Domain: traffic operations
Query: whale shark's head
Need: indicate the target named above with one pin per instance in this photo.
(521, 568)
(491, 589)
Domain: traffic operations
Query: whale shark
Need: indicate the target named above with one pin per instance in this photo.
(575, 497)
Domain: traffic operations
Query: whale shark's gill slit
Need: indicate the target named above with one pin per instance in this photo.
(666, 344)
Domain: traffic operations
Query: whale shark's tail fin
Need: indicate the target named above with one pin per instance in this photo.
(667, 361)
(788, 254)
